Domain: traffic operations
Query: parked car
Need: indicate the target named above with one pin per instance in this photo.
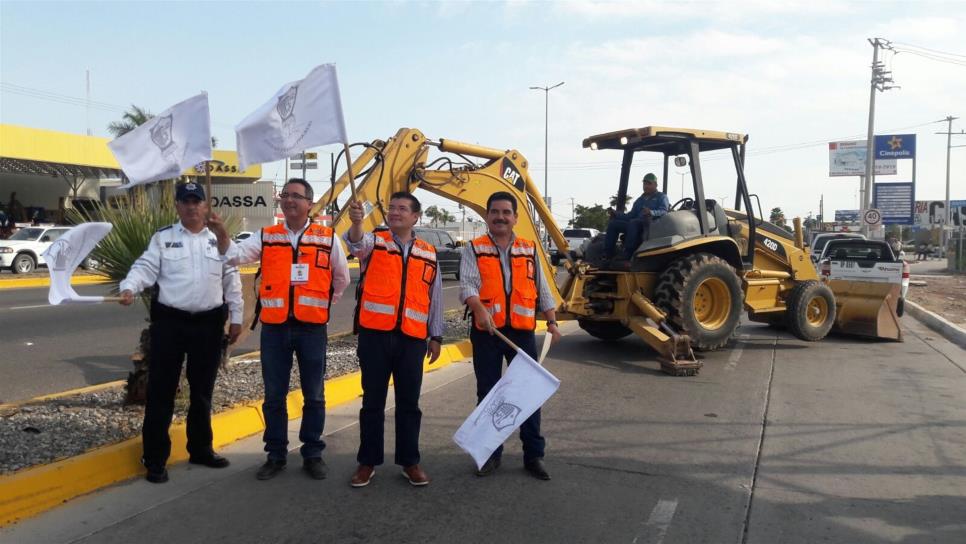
(865, 260)
(21, 253)
(822, 238)
(576, 239)
(448, 251)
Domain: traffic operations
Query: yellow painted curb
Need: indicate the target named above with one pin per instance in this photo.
(45, 282)
(36, 490)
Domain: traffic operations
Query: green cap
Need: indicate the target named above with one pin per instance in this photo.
(651, 178)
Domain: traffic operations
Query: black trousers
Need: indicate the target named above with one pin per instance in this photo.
(489, 352)
(381, 355)
(174, 335)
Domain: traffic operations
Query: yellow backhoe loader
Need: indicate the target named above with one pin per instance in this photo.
(687, 282)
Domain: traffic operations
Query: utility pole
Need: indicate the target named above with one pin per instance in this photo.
(947, 224)
(88, 104)
(881, 78)
(573, 217)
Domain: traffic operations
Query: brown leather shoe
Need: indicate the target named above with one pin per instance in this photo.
(415, 475)
(363, 476)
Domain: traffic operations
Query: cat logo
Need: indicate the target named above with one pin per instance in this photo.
(511, 174)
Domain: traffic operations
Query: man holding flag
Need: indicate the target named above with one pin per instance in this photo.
(196, 293)
(501, 282)
(303, 273)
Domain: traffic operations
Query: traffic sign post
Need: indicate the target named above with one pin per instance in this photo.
(872, 217)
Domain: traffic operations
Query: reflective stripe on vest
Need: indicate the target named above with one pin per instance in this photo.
(521, 299)
(390, 283)
(280, 299)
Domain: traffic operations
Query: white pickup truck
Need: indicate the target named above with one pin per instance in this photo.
(865, 260)
(22, 252)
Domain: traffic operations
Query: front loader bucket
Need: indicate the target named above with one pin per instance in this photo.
(867, 309)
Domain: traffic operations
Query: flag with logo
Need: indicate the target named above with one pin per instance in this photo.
(522, 390)
(65, 254)
(302, 114)
(168, 144)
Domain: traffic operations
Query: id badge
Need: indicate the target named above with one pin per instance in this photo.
(300, 273)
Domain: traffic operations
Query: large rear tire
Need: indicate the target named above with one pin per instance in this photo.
(702, 297)
(605, 330)
(810, 311)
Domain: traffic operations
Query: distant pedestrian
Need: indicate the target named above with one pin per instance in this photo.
(929, 251)
(921, 252)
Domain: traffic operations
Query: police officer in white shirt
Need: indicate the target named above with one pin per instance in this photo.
(197, 290)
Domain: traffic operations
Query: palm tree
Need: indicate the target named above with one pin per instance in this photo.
(434, 214)
(130, 120)
(613, 200)
(446, 217)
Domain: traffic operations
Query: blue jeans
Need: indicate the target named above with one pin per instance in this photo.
(633, 230)
(308, 342)
(489, 352)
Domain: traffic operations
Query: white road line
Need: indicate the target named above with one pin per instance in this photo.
(29, 307)
(736, 352)
(657, 523)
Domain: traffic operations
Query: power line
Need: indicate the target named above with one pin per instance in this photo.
(938, 52)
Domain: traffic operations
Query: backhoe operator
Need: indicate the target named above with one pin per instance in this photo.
(649, 206)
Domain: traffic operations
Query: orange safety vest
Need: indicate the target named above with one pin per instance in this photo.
(391, 283)
(521, 300)
(278, 297)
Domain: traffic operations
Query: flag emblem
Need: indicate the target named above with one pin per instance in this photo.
(161, 133)
(286, 103)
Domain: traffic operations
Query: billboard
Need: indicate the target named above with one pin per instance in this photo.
(848, 159)
(895, 146)
(932, 213)
(895, 201)
(845, 216)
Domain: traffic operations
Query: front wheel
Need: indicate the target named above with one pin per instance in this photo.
(23, 264)
(810, 310)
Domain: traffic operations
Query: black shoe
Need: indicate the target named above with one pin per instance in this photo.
(315, 468)
(212, 460)
(156, 474)
(489, 467)
(536, 469)
(270, 470)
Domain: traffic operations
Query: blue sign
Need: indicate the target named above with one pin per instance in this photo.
(842, 216)
(895, 146)
(896, 202)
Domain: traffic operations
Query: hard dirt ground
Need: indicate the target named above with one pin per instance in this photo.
(943, 293)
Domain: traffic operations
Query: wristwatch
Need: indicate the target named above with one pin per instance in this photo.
(551, 322)
(438, 339)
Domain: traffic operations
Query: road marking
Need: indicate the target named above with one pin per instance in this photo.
(29, 307)
(736, 353)
(657, 523)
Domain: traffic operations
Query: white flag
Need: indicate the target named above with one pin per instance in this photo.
(168, 144)
(302, 114)
(519, 393)
(66, 254)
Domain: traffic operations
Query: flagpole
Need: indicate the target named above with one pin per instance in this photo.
(509, 342)
(208, 165)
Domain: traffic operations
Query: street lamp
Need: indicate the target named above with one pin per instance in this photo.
(546, 132)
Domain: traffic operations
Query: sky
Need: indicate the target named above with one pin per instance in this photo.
(792, 75)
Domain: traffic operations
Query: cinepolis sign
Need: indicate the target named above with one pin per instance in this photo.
(895, 146)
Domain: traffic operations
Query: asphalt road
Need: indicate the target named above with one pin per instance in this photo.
(48, 349)
(775, 441)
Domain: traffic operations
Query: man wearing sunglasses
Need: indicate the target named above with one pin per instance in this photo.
(303, 273)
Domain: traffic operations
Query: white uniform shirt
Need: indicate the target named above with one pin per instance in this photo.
(190, 273)
(250, 250)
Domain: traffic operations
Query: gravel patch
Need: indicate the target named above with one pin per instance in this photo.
(42, 432)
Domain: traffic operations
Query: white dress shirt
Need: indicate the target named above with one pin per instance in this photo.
(190, 273)
(250, 250)
(471, 282)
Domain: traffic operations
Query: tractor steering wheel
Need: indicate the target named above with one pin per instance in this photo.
(686, 203)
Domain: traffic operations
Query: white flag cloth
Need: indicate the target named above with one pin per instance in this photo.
(520, 392)
(168, 144)
(302, 114)
(66, 254)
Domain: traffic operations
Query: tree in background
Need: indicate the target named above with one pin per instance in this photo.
(627, 199)
(778, 217)
(433, 214)
(592, 217)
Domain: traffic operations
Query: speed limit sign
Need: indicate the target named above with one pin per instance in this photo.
(872, 217)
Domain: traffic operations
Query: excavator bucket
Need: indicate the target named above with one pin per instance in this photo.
(867, 309)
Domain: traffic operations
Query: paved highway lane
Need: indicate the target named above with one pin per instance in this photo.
(47, 349)
(776, 440)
